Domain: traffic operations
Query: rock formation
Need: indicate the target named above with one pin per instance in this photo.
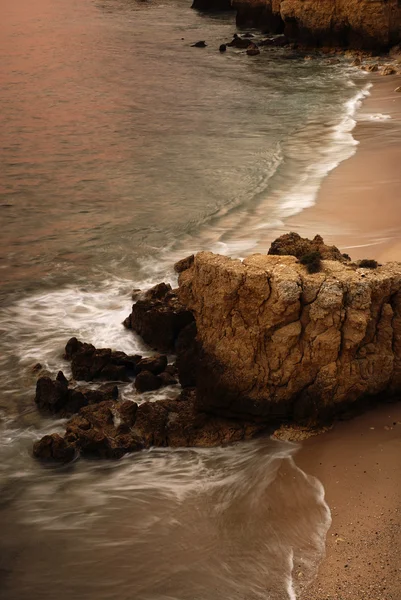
(257, 341)
(111, 429)
(158, 317)
(373, 24)
(275, 341)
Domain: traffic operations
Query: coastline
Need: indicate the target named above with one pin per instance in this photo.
(358, 464)
(358, 209)
(347, 212)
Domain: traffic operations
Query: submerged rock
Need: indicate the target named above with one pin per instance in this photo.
(201, 44)
(238, 42)
(252, 50)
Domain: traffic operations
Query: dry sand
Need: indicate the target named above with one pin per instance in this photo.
(359, 204)
(359, 464)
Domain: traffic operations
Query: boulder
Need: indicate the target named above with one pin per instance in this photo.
(54, 447)
(159, 317)
(222, 48)
(293, 244)
(155, 364)
(201, 44)
(388, 70)
(238, 42)
(146, 381)
(278, 342)
(89, 363)
(252, 50)
(56, 397)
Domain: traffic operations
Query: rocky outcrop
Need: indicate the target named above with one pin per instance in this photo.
(292, 244)
(374, 24)
(58, 398)
(111, 429)
(158, 317)
(277, 342)
(89, 363)
(259, 341)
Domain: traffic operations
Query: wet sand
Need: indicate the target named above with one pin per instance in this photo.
(359, 205)
(359, 461)
(359, 464)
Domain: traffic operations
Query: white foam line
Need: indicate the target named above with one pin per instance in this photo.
(343, 148)
(290, 587)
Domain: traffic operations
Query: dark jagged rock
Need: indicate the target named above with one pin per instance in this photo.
(154, 364)
(212, 5)
(56, 397)
(292, 244)
(187, 356)
(54, 447)
(201, 44)
(188, 261)
(159, 317)
(110, 430)
(278, 41)
(222, 48)
(146, 381)
(51, 395)
(239, 42)
(89, 363)
(167, 378)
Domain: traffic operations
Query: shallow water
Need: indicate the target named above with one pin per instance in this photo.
(123, 149)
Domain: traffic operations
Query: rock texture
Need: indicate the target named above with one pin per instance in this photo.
(373, 24)
(294, 245)
(275, 341)
(111, 429)
(158, 317)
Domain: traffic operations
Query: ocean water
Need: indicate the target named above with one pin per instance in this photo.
(123, 149)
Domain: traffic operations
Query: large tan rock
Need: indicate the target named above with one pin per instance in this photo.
(277, 341)
(356, 23)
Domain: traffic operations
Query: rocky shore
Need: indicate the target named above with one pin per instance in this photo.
(296, 336)
(347, 24)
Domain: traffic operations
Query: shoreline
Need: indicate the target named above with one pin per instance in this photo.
(346, 212)
(358, 464)
(357, 460)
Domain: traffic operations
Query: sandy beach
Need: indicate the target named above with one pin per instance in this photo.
(359, 204)
(358, 461)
